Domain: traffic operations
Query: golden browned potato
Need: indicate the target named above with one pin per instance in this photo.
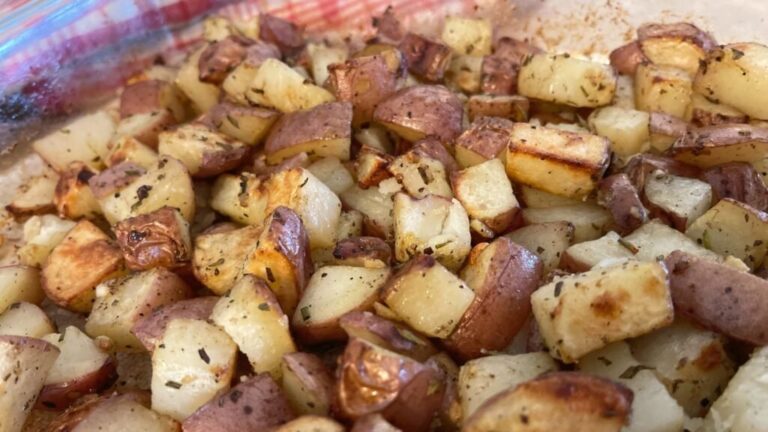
(424, 169)
(202, 95)
(368, 252)
(663, 88)
(719, 297)
(577, 314)
(73, 197)
(145, 128)
(244, 123)
(307, 383)
(420, 111)
(681, 45)
(318, 57)
(585, 403)
(425, 58)
(566, 80)
(502, 275)
(734, 75)
(363, 81)
(486, 138)
(332, 292)
(218, 258)
(428, 297)
(739, 181)
(25, 362)
(220, 57)
(514, 108)
(121, 303)
(321, 131)
(277, 85)
(85, 258)
(237, 83)
(156, 239)
(204, 152)
(619, 196)
(37, 196)
(251, 316)
(150, 328)
(253, 404)
(557, 161)
(371, 166)
(714, 145)
(286, 35)
(391, 335)
(486, 193)
(152, 95)
(111, 413)
(626, 58)
(83, 367)
(372, 379)
(129, 149)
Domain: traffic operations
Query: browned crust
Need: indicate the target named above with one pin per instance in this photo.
(702, 118)
(287, 36)
(60, 396)
(151, 328)
(363, 81)
(371, 167)
(431, 109)
(596, 169)
(719, 297)
(739, 181)
(153, 240)
(264, 170)
(503, 296)
(254, 404)
(626, 58)
(219, 58)
(514, 108)
(425, 58)
(681, 30)
(487, 136)
(387, 334)
(431, 148)
(619, 196)
(500, 69)
(69, 419)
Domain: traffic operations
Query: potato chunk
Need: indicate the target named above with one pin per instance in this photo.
(196, 362)
(548, 241)
(680, 200)
(84, 140)
(589, 221)
(653, 241)
(81, 261)
(681, 45)
(25, 319)
(566, 80)
(557, 161)
(420, 111)
(19, 283)
(156, 239)
(434, 226)
(428, 297)
(627, 129)
(585, 255)
(580, 313)
(277, 85)
(487, 138)
(468, 36)
(204, 152)
(663, 88)
(41, 235)
(486, 193)
(714, 145)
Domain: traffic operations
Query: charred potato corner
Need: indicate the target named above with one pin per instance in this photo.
(412, 232)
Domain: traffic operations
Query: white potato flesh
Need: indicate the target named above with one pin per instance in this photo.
(80, 356)
(278, 86)
(589, 221)
(664, 89)
(115, 413)
(585, 255)
(19, 283)
(333, 174)
(654, 241)
(86, 139)
(25, 319)
(486, 193)
(566, 80)
(321, 56)
(41, 235)
(627, 129)
(547, 240)
(468, 36)
(203, 95)
(684, 198)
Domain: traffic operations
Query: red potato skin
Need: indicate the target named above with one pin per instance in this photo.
(699, 139)
(720, 298)
(425, 58)
(432, 148)
(142, 97)
(513, 109)
(220, 58)
(253, 405)
(739, 181)
(388, 25)
(326, 121)
(312, 372)
(287, 36)
(488, 136)
(114, 178)
(69, 419)
(640, 167)
(433, 110)
(358, 250)
(680, 30)
(666, 124)
(502, 303)
(387, 334)
(405, 392)
(619, 196)
(218, 162)
(626, 58)
(259, 52)
(151, 328)
(500, 69)
(60, 396)
(363, 81)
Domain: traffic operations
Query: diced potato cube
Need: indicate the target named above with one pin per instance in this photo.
(333, 174)
(583, 256)
(468, 36)
(19, 283)
(41, 235)
(589, 221)
(85, 139)
(25, 319)
(203, 95)
(681, 200)
(654, 241)
(547, 240)
(627, 129)
(580, 313)
(486, 193)
(663, 88)
(278, 86)
(566, 80)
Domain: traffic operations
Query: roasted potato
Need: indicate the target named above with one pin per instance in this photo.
(364, 82)
(332, 292)
(425, 58)
(548, 241)
(372, 379)
(537, 198)
(739, 181)
(321, 131)
(627, 129)
(622, 199)
(332, 172)
(156, 239)
(606, 304)
(486, 138)
(557, 161)
(307, 384)
(642, 166)
(367, 252)
(719, 297)
(514, 108)
(86, 140)
(38, 196)
(420, 111)
(144, 128)
(252, 317)
(202, 95)
(220, 57)
(25, 362)
(654, 240)
(321, 56)
(626, 58)
(218, 257)
(733, 228)
(589, 221)
(249, 125)
(428, 297)
(313, 423)
(277, 85)
(543, 403)
(499, 71)
(376, 206)
(193, 362)
(585, 255)
(120, 303)
(111, 413)
(665, 130)
(434, 226)
(73, 197)
(422, 172)
(681, 45)
(255, 403)
(389, 334)
(707, 113)
(204, 152)
(678, 200)
(152, 95)
(502, 275)
(41, 234)
(19, 283)
(664, 89)
(83, 367)
(566, 80)
(285, 34)
(25, 319)
(486, 193)
(468, 36)
(733, 75)
(237, 83)
(150, 328)
(715, 145)
(85, 258)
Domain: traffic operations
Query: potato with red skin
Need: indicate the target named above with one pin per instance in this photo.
(149, 329)
(156, 239)
(739, 181)
(114, 178)
(714, 145)
(626, 58)
(642, 166)
(363, 81)
(371, 379)
(287, 36)
(149, 96)
(665, 129)
(111, 412)
(371, 166)
(307, 383)
(719, 297)
(420, 111)
(486, 138)
(619, 196)
(391, 335)
(254, 404)
(500, 69)
(512, 107)
(369, 252)
(681, 44)
(585, 403)
(425, 58)
(221, 57)
(247, 124)
(503, 275)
